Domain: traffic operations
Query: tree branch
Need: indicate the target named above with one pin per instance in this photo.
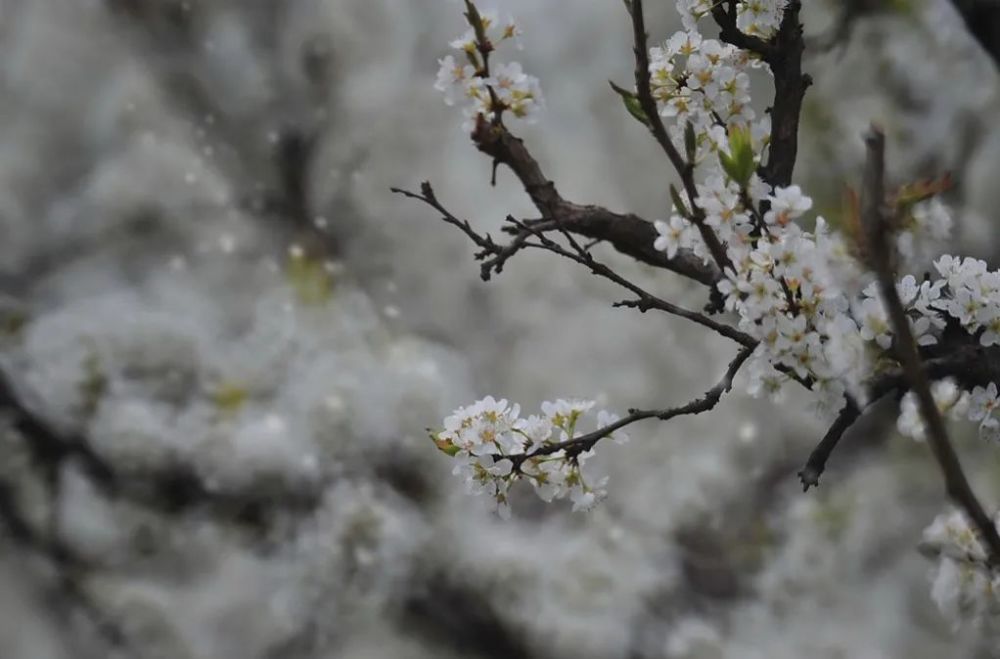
(880, 257)
(494, 256)
(790, 84)
(968, 363)
(627, 233)
(731, 34)
(646, 300)
(817, 459)
(783, 54)
(586, 442)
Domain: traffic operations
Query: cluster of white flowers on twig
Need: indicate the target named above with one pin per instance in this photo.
(705, 82)
(979, 405)
(494, 446)
(487, 89)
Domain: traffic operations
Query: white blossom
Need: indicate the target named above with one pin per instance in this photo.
(676, 234)
(964, 588)
(787, 204)
(506, 89)
(486, 438)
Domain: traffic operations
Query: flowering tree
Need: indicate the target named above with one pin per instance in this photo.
(853, 315)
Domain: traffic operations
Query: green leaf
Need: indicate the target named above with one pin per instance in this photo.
(729, 166)
(475, 20)
(690, 141)
(444, 445)
(631, 102)
(679, 203)
(739, 164)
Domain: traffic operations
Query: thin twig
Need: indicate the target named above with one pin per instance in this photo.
(584, 443)
(495, 255)
(880, 259)
(428, 196)
(645, 300)
(817, 459)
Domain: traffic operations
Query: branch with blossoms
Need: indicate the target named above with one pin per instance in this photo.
(651, 117)
(908, 351)
(494, 446)
(697, 241)
(489, 94)
(854, 315)
(627, 233)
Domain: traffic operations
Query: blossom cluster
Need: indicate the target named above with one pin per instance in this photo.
(979, 405)
(796, 291)
(799, 292)
(488, 89)
(704, 82)
(964, 588)
(975, 296)
(758, 18)
(494, 446)
(966, 295)
(819, 319)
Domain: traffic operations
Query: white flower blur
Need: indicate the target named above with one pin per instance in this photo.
(951, 402)
(964, 588)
